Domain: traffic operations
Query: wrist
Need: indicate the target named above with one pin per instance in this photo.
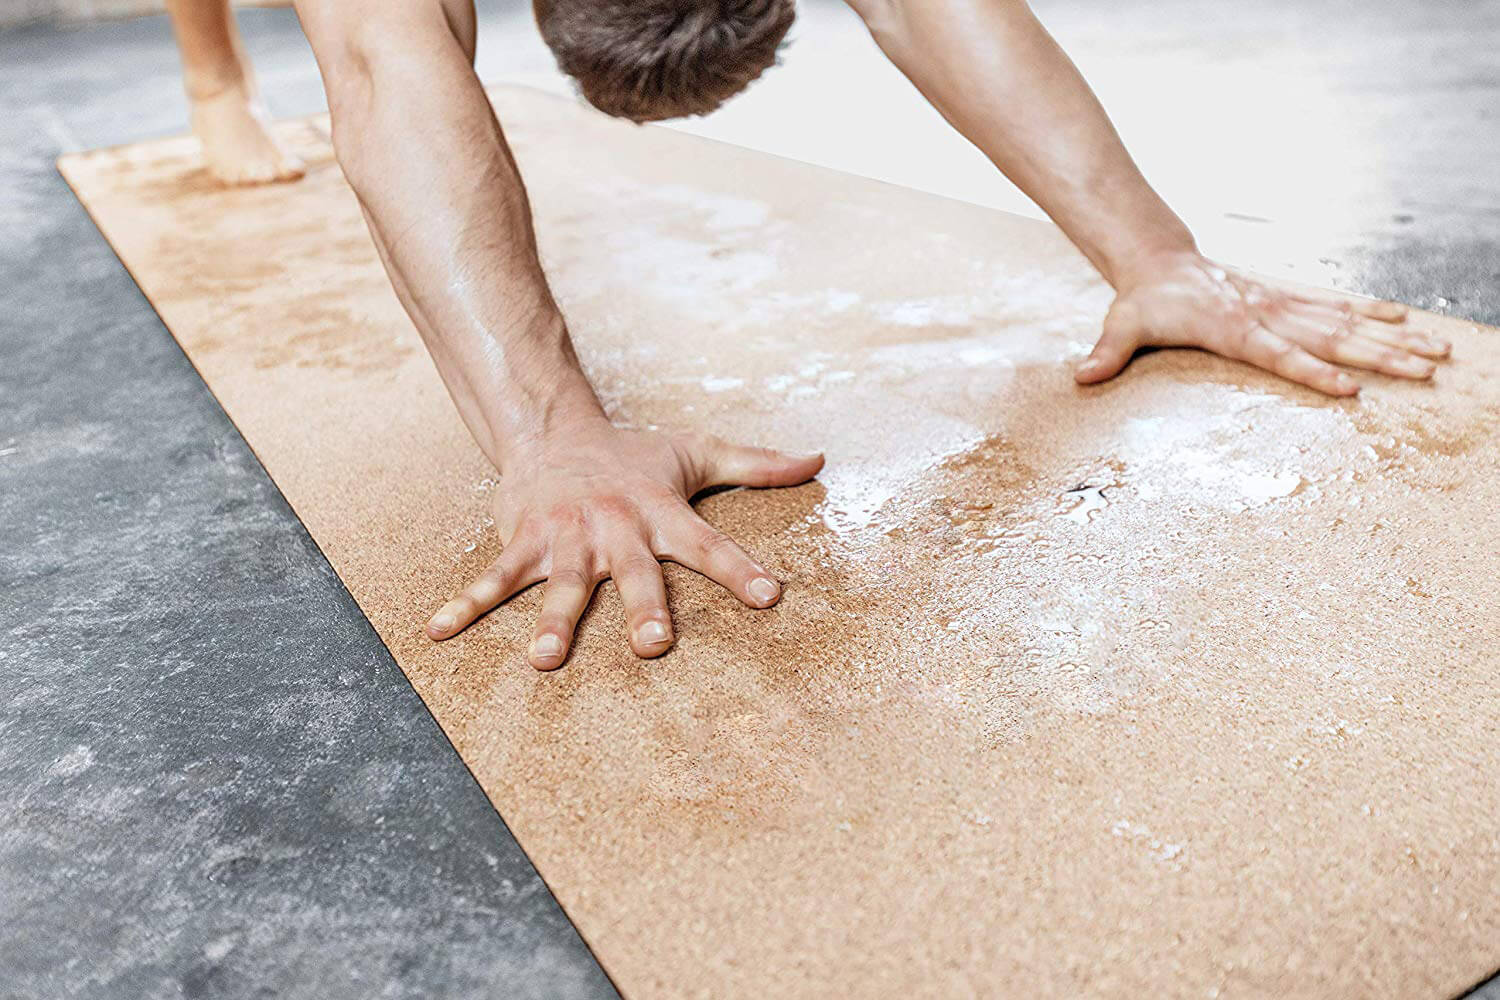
(574, 410)
(1144, 264)
(522, 388)
(1144, 237)
(567, 411)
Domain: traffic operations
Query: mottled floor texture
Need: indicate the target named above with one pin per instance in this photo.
(213, 781)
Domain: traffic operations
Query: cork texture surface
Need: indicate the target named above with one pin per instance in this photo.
(1183, 685)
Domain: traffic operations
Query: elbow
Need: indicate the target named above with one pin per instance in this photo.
(891, 21)
(870, 8)
(880, 16)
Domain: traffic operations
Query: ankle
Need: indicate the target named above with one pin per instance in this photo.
(210, 85)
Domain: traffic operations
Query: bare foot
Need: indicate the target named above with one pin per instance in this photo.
(237, 141)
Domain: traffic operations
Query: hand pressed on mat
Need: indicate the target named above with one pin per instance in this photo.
(1184, 300)
(1001, 80)
(605, 502)
(582, 500)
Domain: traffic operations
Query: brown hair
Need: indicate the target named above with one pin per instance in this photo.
(652, 59)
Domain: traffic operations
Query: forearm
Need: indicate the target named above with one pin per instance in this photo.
(998, 77)
(446, 206)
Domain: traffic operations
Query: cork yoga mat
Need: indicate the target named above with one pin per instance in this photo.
(1184, 685)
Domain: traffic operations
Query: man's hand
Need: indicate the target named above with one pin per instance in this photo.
(993, 71)
(1184, 300)
(580, 500)
(600, 502)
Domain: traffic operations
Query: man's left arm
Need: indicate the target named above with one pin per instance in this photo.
(998, 77)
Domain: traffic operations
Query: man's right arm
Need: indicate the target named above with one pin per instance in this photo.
(419, 144)
(580, 500)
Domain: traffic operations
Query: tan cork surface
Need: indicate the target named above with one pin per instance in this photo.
(1184, 685)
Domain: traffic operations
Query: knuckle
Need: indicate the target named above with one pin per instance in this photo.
(568, 577)
(1298, 366)
(496, 575)
(636, 566)
(716, 543)
(1393, 360)
(565, 515)
(657, 494)
(1258, 297)
(1335, 337)
(1242, 338)
(613, 508)
(524, 538)
(1275, 352)
(482, 591)
(767, 459)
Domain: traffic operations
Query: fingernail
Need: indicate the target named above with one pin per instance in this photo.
(1345, 383)
(441, 623)
(1417, 366)
(1434, 344)
(546, 646)
(651, 633)
(763, 589)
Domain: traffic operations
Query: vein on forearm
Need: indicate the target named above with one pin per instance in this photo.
(450, 217)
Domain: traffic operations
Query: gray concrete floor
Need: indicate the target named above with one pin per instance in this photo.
(213, 779)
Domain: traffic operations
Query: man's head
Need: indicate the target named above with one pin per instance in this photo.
(652, 59)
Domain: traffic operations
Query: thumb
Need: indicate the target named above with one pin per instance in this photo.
(744, 465)
(1117, 345)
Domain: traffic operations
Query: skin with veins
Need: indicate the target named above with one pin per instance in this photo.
(586, 500)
